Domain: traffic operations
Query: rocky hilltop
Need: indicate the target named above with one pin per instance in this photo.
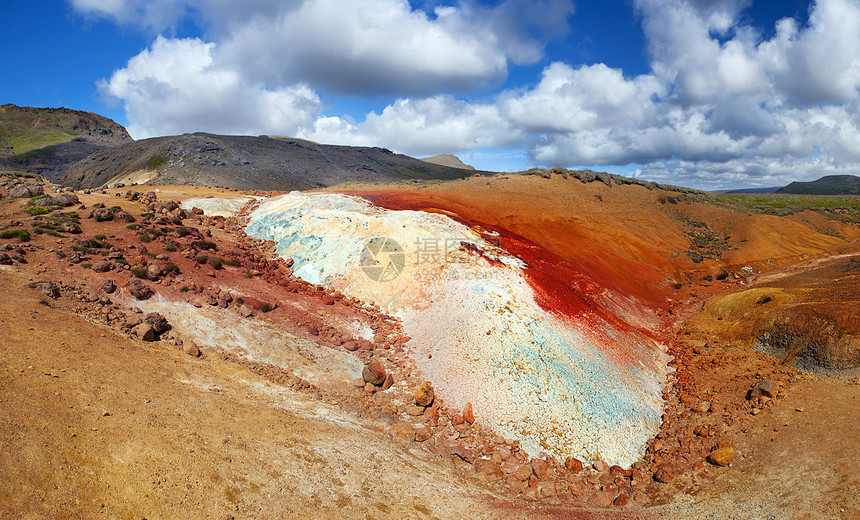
(447, 159)
(251, 163)
(49, 140)
(828, 185)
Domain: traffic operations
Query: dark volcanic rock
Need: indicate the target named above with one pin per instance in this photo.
(139, 290)
(157, 322)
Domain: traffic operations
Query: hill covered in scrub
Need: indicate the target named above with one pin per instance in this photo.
(49, 140)
(829, 185)
(251, 163)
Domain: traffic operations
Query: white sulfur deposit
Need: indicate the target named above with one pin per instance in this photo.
(563, 385)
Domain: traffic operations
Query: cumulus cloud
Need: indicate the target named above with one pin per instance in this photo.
(176, 87)
(721, 104)
(367, 47)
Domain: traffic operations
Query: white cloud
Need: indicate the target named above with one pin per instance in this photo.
(176, 86)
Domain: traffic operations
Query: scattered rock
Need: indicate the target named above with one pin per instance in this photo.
(67, 199)
(664, 475)
(191, 349)
(722, 456)
(102, 214)
(389, 381)
(600, 466)
(157, 322)
(402, 431)
(701, 407)
(764, 388)
(468, 416)
(144, 331)
(414, 410)
(48, 289)
(102, 267)
(425, 394)
(523, 472)
(621, 500)
(153, 272)
(373, 373)
(5, 259)
(602, 499)
(28, 189)
(489, 468)
(573, 464)
(245, 312)
(139, 290)
(541, 468)
(72, 227)
(422, 433)
(108, 287)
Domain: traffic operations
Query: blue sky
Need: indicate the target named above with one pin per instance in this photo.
(705, 93)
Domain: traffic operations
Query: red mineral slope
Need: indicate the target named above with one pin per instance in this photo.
(626, 238)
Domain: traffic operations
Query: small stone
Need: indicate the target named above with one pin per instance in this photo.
(144, 331)
(373, 373)
(468, 416)
(422, 433)
(523, 472)
(157, 322)
(664, 475)
(425, 394)
(389, 381)
(600, 466)
(153, 272)
(722, 456)
(489, 468)
(108, 287)
(621, 500)
(764, 388)
(542, 468)
(573, 464)
(139, 290)
(245, 312)
(402, 431)
(457, 419)
(516, 485)
(601, 499)
(191, 349)
(414, 410)
(701, 407)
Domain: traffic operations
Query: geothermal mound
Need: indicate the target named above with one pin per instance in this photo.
(548, 356)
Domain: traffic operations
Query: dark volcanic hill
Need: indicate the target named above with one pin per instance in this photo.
(249, 163)
(829, 185)
(49, 140)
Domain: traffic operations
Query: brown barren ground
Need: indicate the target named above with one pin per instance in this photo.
(96, 423)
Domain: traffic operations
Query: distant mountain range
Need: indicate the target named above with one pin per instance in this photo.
(86, 150)
(829, 185)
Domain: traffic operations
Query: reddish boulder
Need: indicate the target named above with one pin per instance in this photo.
(573, 464)
(542, 468)
(373, 373)
(468, 416)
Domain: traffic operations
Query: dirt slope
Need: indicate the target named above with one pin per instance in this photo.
(94, 422)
